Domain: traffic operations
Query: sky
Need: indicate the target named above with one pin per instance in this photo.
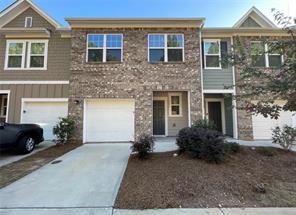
(218, 13)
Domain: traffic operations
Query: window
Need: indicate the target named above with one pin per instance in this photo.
(257, 54)
(265, 55)
(3, 110)
(29, 54)
(175, 104)
(165, 47)
(212, 54)
(28, 22)
(104, 47)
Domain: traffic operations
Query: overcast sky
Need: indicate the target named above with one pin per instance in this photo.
(218, 13)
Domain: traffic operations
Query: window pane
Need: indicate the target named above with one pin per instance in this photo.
(37, 62)
(37, 48)
(175, 110)
(258, 61)
(113, 54)
(257, 48)
(175, 100)
(211, 48)
(175, 40)
(15, 62)
(275, 60)
(15, 48)
(95, 41)
(212, 61)
(95, 55)
(175, 55)
(156, 41)
(156, 55)
(114, 41)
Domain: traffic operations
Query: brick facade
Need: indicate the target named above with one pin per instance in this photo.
(135, 77)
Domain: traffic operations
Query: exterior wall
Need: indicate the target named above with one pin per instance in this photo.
(58, 64)
(250, 23)
(175, 123)
(135, 77)
(218, 78)
(19, 91)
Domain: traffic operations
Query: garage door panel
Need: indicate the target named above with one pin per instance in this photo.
(45, 114)
(109, 120)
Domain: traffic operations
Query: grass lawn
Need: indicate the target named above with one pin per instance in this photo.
(16, 170)
(251, 178)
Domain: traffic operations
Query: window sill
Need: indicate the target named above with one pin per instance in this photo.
(171, 62)
(103, 63)
(25, 69)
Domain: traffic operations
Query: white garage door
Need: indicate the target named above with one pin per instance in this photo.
(44, 113)
(109, 120)
(262, 127)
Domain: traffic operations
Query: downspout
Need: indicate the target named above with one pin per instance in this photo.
(201, 74)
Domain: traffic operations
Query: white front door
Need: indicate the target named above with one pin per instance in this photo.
(44, 113)
(109, 120)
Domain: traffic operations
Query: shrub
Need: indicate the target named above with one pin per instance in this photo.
(267, 151)
(213, 150)
(285, 137)
(143, 146)
(184, 138)
(232, 147)
(63, 130)
(204, 123)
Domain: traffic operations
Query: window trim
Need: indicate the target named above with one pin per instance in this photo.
(205, 55)
(180, 105)
(266, 54)
(31, 22)
(2, 106)
(166, 48)
(25, 54)
(105, 48)
(29, 54)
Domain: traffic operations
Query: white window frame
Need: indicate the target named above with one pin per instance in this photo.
(26, 55)
(29, 54)
(26, 21)
(266, 54)
(104, 48)
(3, 106)
(171, 105)
(7, 55)
(166, 48)
(205, 55)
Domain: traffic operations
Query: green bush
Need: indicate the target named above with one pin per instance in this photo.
(213, 150)
(143, 146)
(285, 137)
(232, 147)
(63, 130)
(204, 123)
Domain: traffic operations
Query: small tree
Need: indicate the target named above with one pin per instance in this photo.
(143, 146)
(286, 137)
(64, 130)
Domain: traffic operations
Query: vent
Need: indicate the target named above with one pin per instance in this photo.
(28, 22)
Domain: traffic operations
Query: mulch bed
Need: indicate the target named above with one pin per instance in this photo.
(250, 178)
(16, 170)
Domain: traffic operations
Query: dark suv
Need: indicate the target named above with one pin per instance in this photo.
(22, 137)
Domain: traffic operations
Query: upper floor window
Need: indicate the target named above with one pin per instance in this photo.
(28, 22)
(212, 54)
(166, 47)
(265, 55)
(29, 54)
(104, 47)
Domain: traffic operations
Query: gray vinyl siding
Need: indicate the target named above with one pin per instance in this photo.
(228, 116)
(58, 63)
(218, 79)
(250, 23)
(19, 91)
(175, 123)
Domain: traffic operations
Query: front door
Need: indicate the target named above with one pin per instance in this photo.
(158, 117)
(214, 111)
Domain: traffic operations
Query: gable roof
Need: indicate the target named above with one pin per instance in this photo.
(19, 7)
(258, 17)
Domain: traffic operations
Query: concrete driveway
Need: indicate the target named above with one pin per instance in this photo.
(88, 177)
(11, 156)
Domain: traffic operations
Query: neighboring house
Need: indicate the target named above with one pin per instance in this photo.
(120, 78)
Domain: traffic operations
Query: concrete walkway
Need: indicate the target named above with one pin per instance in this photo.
(88, 177)
(11, 156)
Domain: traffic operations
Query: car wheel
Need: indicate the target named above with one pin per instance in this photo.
(26, 144)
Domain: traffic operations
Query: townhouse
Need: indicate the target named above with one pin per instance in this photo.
(119, 78)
